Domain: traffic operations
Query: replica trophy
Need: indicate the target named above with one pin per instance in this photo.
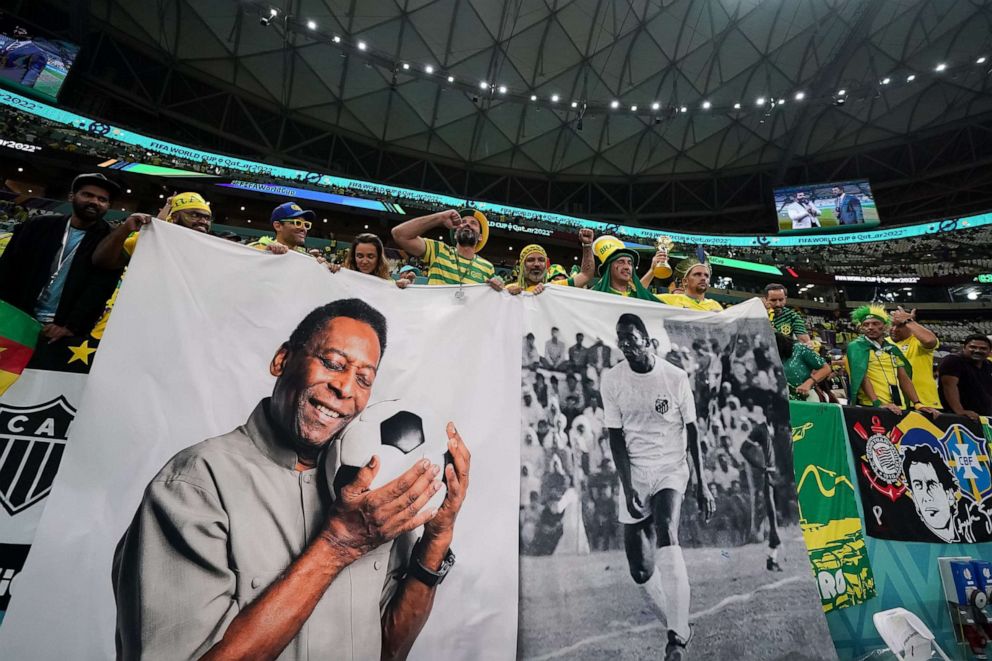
(663, 270)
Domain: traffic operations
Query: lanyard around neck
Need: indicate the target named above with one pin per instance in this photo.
(63, 258)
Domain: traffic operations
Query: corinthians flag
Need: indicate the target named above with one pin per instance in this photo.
(922, 480)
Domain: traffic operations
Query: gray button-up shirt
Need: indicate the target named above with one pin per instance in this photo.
(219, 523)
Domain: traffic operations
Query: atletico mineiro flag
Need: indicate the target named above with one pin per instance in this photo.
(18, 336)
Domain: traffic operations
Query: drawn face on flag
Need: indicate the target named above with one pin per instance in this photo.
(932, 487)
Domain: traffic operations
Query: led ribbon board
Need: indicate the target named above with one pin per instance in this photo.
(316, 196)
(157, 170)
(566, 223)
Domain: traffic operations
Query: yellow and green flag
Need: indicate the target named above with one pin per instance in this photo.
(18, 337)
(828, 507)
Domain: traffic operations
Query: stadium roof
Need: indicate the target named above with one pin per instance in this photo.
(684, 65)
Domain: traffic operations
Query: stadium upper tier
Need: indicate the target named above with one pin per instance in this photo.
(34, 124)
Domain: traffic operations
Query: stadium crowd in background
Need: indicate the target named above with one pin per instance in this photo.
(62, 269)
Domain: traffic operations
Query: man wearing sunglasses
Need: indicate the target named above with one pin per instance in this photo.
(291, 223)
(188, 210)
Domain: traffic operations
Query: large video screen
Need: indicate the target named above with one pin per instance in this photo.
(33, 62)
(840, 205)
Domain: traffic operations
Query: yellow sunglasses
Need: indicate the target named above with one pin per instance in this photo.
(305, 224)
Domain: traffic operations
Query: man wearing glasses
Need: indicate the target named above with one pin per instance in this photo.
(291, 223)
(188, 210)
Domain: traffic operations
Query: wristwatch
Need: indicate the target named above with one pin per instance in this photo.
(426, 576)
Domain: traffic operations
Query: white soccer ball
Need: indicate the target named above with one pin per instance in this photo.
(401, 433)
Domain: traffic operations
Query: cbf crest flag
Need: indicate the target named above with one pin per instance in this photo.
(828, 508)
(237, 395)
(922, 480)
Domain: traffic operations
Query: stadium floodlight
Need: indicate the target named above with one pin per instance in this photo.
(737, 106)
(502, 89)
(633, 108)
(614, 104)
(242, 208)
(128, 191)
(428, 69)
(362, 45)
(760, 101)
(533, 97)
(451, 79)
(800, 96)
(911, 77)
(312, 25)
(683, 109)
(336, 39)
(841, 92)
(707, 105)
(406, 66)
(655, 106)
(575, 104)
(273, 12)
(554, 98)
(886, 80)
(981, 60)
(483, 85)
(940, 67)
(325, 220)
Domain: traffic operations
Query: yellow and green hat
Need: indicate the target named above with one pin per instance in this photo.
(188, 202)
(469, 212)
(608, 248)
(526, 252)
(556, 270)
(866, 312)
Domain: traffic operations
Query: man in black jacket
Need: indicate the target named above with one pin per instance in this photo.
(47, 269)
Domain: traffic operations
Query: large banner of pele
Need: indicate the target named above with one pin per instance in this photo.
(658, 506)
(217, 491)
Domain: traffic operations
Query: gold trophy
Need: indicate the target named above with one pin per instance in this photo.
(664, 270)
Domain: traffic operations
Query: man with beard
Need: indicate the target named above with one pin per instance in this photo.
(188, 210)
(535, 269)
(651, 416)
(966, 379)
(803, 213)
(239, 548)
(881, 376)
(291, 223)
(784, 319)
(460, 265)
(47, 269)
(692, 276)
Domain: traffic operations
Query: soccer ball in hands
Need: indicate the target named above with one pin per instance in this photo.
(401, 434)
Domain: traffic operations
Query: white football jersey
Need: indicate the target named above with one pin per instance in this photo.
(652, 409)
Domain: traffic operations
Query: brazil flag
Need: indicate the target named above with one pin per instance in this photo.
(828, 509)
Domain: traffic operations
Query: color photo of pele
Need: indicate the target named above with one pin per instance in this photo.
(657, 486)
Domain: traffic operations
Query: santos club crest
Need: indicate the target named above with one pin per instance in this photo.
(32, 440)
(661, 405)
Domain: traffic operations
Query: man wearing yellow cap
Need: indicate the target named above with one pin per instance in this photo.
(446, 265)
(188, 210)
(535, 272)
(617, 265)
(692, 275)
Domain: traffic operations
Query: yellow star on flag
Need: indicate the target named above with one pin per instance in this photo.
(82, 352)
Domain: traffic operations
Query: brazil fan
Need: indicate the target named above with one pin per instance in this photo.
(692, 277)
(784, 319)
(881, 376)
(650, 414)
(187, 210)
(617, 265)
(534, 272)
